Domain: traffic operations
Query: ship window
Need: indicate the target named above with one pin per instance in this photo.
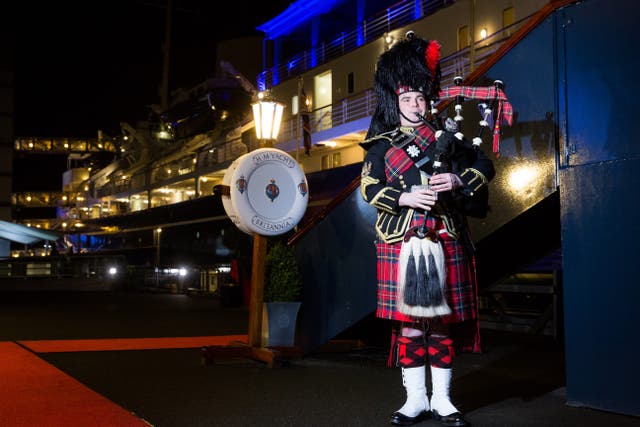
(336, 160)
(325, 162)
(294, 105)
(463, 37)
(350, 83)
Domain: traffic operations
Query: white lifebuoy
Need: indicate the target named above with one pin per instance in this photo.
(226, 199)
(269, 191)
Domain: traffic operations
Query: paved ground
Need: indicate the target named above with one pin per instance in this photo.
(518, 381)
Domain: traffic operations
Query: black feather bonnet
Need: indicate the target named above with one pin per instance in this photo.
(412, 64)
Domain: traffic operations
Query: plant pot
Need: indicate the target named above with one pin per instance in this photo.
(279, 323)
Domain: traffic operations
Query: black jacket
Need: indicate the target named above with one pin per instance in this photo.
(473, 167)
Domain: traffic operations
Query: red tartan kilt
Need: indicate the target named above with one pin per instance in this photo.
(461, 280)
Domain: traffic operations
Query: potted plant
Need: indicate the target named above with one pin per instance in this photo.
(282, 295)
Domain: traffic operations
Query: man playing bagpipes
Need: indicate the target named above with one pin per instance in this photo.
(424, 182)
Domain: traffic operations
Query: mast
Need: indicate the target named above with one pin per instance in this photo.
(166, 50)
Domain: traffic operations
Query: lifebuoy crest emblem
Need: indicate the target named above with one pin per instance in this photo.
(272, 190)
(302, 188)
(241, 184)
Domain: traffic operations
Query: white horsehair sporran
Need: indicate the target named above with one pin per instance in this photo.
(422, 272)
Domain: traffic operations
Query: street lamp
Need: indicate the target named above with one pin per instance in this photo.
(158, 234)
(267, 116)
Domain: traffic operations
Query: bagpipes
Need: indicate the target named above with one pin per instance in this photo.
(422, 269)
(494, 115)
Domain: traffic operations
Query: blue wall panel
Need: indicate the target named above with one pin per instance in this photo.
(600, 62)
(599, 203)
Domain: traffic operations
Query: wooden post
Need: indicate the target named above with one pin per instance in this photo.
(257, 290)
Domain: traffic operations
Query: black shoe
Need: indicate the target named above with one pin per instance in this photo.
(400, 419)
(452, 420)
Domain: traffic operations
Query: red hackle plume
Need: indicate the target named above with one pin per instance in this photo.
(432, 56)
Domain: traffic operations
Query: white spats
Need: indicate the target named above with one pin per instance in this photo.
(441, 383)
(417, 402)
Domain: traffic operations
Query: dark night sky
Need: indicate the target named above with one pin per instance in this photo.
(80, 67)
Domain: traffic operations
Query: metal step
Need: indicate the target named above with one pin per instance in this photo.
(525, 302)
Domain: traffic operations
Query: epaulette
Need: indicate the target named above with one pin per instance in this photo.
(385, 136)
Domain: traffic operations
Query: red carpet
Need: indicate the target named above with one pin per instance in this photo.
(57, 346)
(36, 394)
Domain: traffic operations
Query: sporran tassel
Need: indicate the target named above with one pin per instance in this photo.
(411, 282)
(423, 295)
(403, 262)
(433, 286)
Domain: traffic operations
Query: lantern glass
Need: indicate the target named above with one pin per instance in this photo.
(267, 116)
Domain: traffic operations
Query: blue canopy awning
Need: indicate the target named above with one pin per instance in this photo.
(23, 234)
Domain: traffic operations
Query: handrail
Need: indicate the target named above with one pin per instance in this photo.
(64, 145)
(520, 34)
(395, 16)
